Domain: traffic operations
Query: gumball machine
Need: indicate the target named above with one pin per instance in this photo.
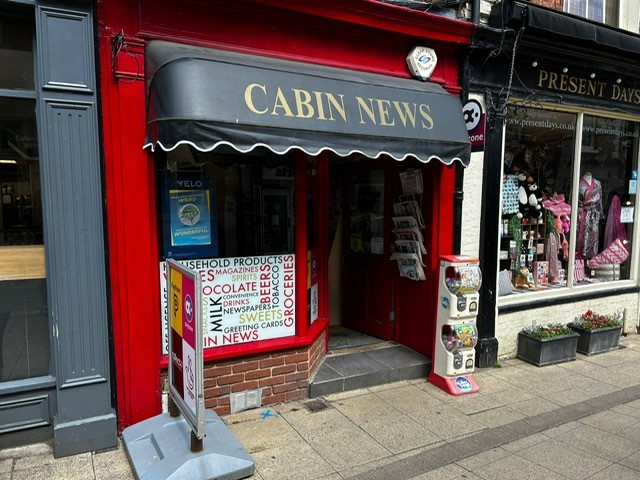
(456, 332)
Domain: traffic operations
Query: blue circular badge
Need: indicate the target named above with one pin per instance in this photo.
(463, 384)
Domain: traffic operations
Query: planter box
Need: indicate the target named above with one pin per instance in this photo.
(547, 351)
(601, 340)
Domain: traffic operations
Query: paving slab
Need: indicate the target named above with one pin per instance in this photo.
(564, 459)
(450, 472)
(298, 461)
(598, 442)
(484, 458)
(514, 467)
(335, 437)
(619, 472)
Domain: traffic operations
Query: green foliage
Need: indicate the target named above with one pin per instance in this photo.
(515, 232)
(549, 330)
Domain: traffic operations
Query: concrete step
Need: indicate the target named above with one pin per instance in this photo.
(350, 371)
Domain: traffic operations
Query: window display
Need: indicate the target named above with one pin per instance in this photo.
(537, 192)
(226, 205)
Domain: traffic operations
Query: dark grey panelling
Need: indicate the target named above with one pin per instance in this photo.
(66, 50)
(26, 411)
(73, 226)
(75, 242)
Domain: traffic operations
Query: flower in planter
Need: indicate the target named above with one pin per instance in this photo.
(593, 321)
(547, 331)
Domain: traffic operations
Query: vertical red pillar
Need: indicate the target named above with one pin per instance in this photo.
(132, 230)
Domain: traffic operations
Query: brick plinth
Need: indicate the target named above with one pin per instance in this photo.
(282, 375)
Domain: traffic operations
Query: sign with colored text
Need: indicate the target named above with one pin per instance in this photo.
(185, 344)
(245, 299)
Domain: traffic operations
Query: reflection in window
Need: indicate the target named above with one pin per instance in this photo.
(607, 195)
(16, 50)
(366, 228)
(244, 204)
(21, 214)
(604, 11)
(24, 330)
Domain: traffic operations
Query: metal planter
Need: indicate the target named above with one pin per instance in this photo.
(547, 351)
(601, 340)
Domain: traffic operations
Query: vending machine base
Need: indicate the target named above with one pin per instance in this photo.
(458, 385)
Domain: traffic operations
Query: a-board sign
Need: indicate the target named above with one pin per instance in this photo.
(185, 344)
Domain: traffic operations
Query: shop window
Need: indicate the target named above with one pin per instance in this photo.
(24, 330)
(542, 177)
(606, 196)
(230, 216)
(217, 205)
(16, 51)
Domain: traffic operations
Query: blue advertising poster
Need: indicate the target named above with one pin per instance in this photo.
(189, 218)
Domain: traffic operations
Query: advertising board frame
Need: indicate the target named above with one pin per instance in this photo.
(194, 415)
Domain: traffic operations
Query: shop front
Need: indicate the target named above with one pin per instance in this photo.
(561, 166)
(273, 164)
(55, 378)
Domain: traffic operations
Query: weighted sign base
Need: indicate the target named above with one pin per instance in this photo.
(458, 385)
(160, 448)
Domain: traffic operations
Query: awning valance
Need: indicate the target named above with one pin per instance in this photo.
(207, 98)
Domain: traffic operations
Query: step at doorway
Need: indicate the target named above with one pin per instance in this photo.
(341, 338)
(366, 366)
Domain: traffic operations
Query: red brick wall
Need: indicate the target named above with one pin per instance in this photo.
(555, 4)
(282, 375)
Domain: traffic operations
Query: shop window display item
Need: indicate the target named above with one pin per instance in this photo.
(510, 203)
(614, 254)
(614, 229)
(529, 197)
(589, 214)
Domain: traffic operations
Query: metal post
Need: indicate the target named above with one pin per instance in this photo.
(174, 411)
(196, 443)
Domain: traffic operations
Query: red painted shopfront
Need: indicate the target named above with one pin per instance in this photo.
(286, 202)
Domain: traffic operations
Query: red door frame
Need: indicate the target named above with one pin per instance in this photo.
(341, 33)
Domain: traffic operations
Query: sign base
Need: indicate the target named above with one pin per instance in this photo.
(160, 448)
(458, 385)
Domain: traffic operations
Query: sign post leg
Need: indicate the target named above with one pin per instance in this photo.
(196, 443)
(173, 408)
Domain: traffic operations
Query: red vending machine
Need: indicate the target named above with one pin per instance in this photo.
(456, 333)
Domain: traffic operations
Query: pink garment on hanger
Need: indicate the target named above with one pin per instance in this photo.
(614, 228)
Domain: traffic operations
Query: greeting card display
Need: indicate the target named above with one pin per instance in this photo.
(410, 265)
(407, 223)
(409, 209)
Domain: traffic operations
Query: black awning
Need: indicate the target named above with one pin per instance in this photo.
(576, 30)
(207, 98)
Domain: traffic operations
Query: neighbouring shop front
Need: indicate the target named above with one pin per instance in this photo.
(55, 379)
(272, 165)
(561, 166)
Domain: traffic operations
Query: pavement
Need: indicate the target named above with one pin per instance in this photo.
(576, 420)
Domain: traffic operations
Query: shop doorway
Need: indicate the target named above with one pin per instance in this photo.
(368, 293)
(361, 275)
